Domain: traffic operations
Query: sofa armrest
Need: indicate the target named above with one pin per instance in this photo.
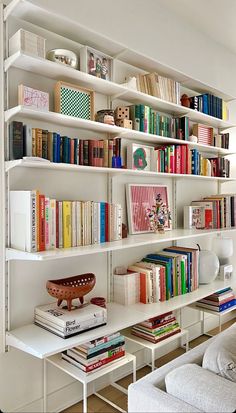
(149, 399)
(202, 388)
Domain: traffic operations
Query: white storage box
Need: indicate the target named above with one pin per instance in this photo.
(27, 42)
(127, 288)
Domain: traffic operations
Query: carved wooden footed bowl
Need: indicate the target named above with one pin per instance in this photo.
(71, 288)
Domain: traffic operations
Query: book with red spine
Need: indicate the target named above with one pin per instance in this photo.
(94, 366)
(81, 152)
(178, 159)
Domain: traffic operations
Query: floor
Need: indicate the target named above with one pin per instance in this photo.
(95, 405)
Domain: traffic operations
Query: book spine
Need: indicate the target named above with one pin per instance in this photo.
(41, 222)
(16, 140)
(34, 221)
(60, 229)
(66, 210)
(52, 225)
(47, 223)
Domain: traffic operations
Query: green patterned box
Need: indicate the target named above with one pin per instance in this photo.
(73, 100)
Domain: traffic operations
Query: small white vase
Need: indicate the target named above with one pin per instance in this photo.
(208, 266)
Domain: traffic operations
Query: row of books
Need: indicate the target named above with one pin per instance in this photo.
(66, 323)
(221, 140)
(210, 105)
(97, 353)
(212, 212)
(27, 141)
(48, 224)
(157, 328)
(165, 274)
(183, 160)
(218, 302)
(159, 86)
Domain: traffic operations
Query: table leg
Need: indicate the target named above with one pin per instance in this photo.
(187, 342)
(84, 397)
(134, 369)
(220, 326)
(44, 386)
(153, 359)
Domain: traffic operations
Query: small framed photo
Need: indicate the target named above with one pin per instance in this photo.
(95, 63)
(140, 198)
(140, 157)
(73, 100)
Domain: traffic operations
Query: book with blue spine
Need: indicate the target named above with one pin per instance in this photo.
(160, 259)
(102, 222)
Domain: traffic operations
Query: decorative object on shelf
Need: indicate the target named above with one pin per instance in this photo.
(67, 57)
(36, 99)
(122, 112)
(204, 134)
(193, 138)
(27, 42)
(116, 162)
(74, 100)
(194, 217)
(105, 116)
(157, 215)
(223, 247)
(124, 123)
(139, 198)
(95, 63)
(185, 100)
(139, 156)
(100, 301)
(131, 83)
(208, 266)
(71, 288)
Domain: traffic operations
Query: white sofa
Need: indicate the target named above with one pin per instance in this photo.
(183, 385)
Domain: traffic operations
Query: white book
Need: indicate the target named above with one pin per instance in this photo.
(27, 131)
(78, 224)
(52, 223)
(60, 222)
(73, 224)
(23, 205)
(70, 329)
(62, 317)
(119, 221)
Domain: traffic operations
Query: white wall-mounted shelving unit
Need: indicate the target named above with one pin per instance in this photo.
(26, 173)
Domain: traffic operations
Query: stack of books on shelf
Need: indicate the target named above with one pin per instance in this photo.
(64, 323)
(210, 105)
(126, 288)
(50, 224)
(97, 353)
(183, 160)
(35, 142)
(218, 302)
(159, 86)
(212, 212)
(167, 273)
(157, 328)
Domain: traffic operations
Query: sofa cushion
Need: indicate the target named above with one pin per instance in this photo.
(201, 388)
(220, 355)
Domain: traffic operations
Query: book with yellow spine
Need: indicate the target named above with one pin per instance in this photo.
(66, 217)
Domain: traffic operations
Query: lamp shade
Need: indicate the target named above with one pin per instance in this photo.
(223, 247)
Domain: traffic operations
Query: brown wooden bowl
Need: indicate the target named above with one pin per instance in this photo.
(71, 288)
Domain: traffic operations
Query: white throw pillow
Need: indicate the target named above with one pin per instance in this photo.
(220, 355)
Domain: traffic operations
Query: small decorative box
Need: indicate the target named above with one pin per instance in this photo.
(34, 98)
(73, 100)
(27, 42)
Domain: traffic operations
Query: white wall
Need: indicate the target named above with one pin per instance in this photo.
(149, 29)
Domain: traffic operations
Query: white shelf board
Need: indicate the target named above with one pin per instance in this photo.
(69, 28)
(41, 343)
(9, 165)
(131, 242)
(57, 118)
(152, 346)
(218, 313)
(83, 377)
(59, 71)
(180, 301)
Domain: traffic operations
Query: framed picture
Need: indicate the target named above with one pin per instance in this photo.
(139, 198)
(95, 63)
(36, 99)
(73, 100)
(139, 157)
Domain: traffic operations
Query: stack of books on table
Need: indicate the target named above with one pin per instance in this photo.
(157, 328)
(220, 301)
(97, 353)
(64, 323)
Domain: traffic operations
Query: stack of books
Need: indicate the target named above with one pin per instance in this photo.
(50, 224)
(97, 353)
(157, 328)
(126, 288)
(159, 86)
(167, 273)
(64, 323)
(218, 302)
(210, 105)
